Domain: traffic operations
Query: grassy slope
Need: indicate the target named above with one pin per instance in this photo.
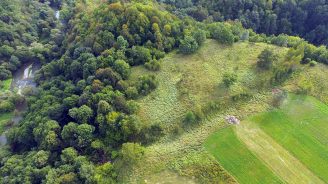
(233, 155)
(187, 81)
(301, 128)
(4, 118)
(6, 85)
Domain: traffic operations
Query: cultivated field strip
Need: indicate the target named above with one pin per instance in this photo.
(285, 165)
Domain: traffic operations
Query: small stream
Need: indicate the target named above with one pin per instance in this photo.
(23, 78)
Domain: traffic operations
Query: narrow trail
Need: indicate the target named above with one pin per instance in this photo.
(285, 165)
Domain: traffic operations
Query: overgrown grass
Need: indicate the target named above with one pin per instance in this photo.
(300, 126)
(186, 82)
(6, 85)
(237, 159)
(4, 118)
(190, 81)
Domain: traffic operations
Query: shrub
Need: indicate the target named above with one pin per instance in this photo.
(132, 92)
(229, 79)
(193, 117)
(190, 118)
(6, 106)
(313, 63)
(146, 84)
(304, 86)
(306, 61)
(153, 65)
(241, 96)
(199, 36)
(278, 97)
(221, 33)
(266, 59)
(131, 153)
(188, 45)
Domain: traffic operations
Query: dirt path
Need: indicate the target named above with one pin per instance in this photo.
(275, 156)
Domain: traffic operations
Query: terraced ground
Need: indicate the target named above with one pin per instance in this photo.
(290, 141)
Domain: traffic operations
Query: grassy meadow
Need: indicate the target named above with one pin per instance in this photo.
(5, 85)
(188, 82)
(4, 118)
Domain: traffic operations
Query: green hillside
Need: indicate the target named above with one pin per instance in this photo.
(191, 83)
(163, 91)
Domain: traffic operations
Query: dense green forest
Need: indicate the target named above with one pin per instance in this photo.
(305, 18)
(81, 123)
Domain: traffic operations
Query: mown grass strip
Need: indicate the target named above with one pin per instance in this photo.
(300, 127)
(275, 156)
(237, 159)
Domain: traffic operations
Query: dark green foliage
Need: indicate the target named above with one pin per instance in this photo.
(188, 45)
(221, 33)
(200, 36)
(131, 153)
(146, 84)
(229, 79)
(190, 118)
(153, 65)
(193, 117)
(139, 55)
(306, 18)
(122, 68)
(306, 61)
(82, 114)
(6, 106)
(266, 59)
(241, 96)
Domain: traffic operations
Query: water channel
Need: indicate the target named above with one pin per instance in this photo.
(23, 78)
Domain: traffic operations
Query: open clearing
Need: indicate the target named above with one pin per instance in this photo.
(6, 85)
(195, 80)
(4, 118)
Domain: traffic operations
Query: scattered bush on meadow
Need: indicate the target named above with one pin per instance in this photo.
(229, 79)
(266, 59)
(313, 63)
(153, 65)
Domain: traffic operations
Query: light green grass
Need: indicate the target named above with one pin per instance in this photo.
(301, 127)
(6, 85)
(4, 118)
(194, 80)
(187, 81)
(237, 159)
(279, 160)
